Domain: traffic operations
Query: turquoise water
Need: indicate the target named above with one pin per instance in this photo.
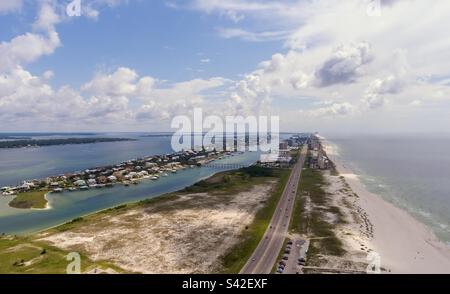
(19, 164)
(69, 205)
(411, 171)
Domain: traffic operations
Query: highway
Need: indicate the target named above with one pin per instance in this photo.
(266, 253)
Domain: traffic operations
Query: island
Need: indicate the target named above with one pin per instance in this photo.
(54, 142)
(2, 137)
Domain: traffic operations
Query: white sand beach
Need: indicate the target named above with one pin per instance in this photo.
(404, 244)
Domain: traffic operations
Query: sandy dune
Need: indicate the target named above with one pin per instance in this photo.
(186, 235)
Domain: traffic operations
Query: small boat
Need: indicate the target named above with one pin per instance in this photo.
(84, 188)
(165, 175)
(174, 171)
(155, 178)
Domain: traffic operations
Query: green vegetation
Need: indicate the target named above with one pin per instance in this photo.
(232, 181)
(25, 252)
(235, 259)
(24, 256)
(310, 217)
(334, 171)
(52, 142)
(32, 199)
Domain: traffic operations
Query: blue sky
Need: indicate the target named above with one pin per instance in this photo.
(147, 36)
(133, 65)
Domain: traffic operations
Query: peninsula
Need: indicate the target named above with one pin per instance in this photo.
(52, 142)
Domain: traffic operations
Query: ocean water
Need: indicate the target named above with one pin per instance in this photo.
(411, 171)
(17, 165)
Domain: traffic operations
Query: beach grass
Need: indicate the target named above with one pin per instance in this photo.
(235, 259)
(21, 255)
(311, 221)
(32, 199)
(221, 187)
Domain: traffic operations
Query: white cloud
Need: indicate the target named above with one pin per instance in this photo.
(29, 47)
(239, 33)
(337, 62)
(47, 19)
(10, 5)
(345, 65)
(381, 64)
(333, 110)
(121, 82)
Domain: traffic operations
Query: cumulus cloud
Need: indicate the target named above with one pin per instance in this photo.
(121, 82)
(345, 65)
(378, 61)
(333, 110)
(28, 47)
(394, 59)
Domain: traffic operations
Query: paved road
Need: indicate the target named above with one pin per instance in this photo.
(265, 255)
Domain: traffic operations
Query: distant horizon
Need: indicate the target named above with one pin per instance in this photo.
(291, 58)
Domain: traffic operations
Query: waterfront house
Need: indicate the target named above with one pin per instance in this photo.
(54, 184)
(112, 179)
(92, 183)
(80, 183)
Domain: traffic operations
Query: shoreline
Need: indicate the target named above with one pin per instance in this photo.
(131, 203)
(404, 244)
(196, 208)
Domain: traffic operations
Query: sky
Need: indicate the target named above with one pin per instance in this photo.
(355, 66)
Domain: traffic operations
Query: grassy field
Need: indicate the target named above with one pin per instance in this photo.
(20, 255)
(311, 222)
(33, 199)
(236, 258)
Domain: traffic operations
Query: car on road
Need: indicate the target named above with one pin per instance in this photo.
(285, 257)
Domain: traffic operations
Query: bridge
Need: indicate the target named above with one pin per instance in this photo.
(225, 165)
